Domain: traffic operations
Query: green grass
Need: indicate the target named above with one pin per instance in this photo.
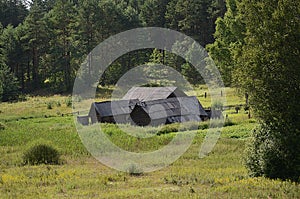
(219, 175)
(232, 97)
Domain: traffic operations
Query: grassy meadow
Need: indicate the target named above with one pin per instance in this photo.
(79, 175)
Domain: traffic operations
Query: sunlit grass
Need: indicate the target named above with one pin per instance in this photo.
(219, 175)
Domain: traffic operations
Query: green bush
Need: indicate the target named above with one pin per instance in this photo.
(41, 153)
(203, 126)
(270, 155)
(169, 128)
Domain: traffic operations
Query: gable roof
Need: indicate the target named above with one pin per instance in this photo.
(153, 93)
(164, 111)
(110, 108)
(181, 106)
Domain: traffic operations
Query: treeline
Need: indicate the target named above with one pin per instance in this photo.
(44, 42)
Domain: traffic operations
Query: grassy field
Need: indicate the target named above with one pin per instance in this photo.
(220, 175)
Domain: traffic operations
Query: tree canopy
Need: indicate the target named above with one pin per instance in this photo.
(257, 49)
(45, 42)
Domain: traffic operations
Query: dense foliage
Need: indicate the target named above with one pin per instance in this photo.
(9, 89)
(257, 48)
(229, 38)
(270, 72)
(45, 41)
(41, 153)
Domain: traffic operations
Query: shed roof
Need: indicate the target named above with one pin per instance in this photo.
(110, 108)
(181, 106)
(153, 93)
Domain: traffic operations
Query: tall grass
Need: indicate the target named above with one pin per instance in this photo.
(220, 175)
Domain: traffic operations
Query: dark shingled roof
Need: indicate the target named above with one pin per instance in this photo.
(173, 107)
(181, 109)
(110, 108)
(149, 105)
(153, 93)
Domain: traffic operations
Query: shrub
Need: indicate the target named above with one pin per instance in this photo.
(269, 155)
(203, 126)
(169, 128)
(41, 153)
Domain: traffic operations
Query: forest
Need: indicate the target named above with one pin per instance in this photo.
(43, 43)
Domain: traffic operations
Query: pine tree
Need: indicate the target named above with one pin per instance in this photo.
(12, 12)
(90, 16)
(191, 17)
(9, 85)
(153, 13)
(35, 39)
(62, 22)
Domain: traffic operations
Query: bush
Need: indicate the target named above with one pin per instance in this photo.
(203, 126)
(269, 155)
(41, 153)
(169, 128)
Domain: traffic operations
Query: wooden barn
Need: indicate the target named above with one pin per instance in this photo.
(167, 111)
(145, 106)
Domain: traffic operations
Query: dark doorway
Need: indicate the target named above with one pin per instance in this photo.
(140, 117)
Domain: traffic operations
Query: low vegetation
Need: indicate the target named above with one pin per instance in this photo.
(219, 175)
(41, 153)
